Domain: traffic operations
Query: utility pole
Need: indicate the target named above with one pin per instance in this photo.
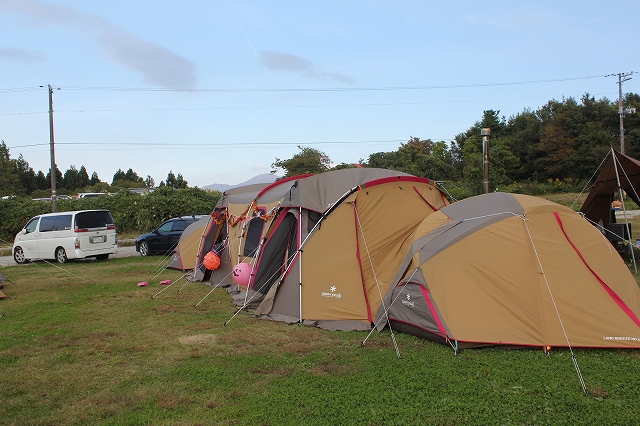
(622, 77)
(485, 133)
(54, 200)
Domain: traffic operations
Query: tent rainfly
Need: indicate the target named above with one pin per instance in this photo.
(513, 270)
(199, 237)
(234, 229)
(334, 245)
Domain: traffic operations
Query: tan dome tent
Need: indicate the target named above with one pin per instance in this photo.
(246, 229)
(513, 270)
(235, 229)
(199, 237)
(336, 243)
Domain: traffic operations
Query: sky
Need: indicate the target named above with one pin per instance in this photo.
(218, 90)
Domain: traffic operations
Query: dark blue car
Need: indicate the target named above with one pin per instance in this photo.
(164, 238)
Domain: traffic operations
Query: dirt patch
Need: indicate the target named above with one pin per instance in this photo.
(198, 339)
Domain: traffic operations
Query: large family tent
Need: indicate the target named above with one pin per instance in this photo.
(245, 230)
(620, 172)
(234, 229)
(335, 244)
(200, 237)
(513, 270)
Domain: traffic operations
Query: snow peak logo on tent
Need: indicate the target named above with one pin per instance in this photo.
(332, 293)
(635, 339)
(408, 302)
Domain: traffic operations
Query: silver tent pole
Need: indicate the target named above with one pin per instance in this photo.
(300, 262)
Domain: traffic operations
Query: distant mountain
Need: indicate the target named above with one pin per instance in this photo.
(262, 178)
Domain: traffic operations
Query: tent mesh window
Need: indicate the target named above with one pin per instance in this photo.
(254, 233)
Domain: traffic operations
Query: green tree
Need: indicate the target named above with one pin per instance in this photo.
(94, 179)
(631, 126)
(522, 137)
(59, 178)
(130, 179)
(307, 161)
(132, 176)
(41, 181)
(118, 176)
(418, 157)
(176, 182)
(26, 174)
(72, 180)
(84, 177)
(9, 178)
(502, 161)
(171, 180)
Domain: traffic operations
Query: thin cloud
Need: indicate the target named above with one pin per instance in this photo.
(280, 61)
(20, 55)
(157, 64)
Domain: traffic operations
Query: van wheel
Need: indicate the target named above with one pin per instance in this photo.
(61, 255)
(144, 249)
(102, 256)
(18, 256)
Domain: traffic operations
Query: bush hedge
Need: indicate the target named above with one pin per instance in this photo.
(132, 213)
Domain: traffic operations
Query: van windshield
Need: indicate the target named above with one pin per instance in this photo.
(94, 219)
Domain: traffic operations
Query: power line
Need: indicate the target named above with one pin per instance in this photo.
(328, 89)
(227, 145)
(359, 105)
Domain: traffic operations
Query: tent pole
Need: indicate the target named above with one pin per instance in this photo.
(624, 211)
(300, 262)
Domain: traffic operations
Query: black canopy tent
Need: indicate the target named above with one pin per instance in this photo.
(619, 173)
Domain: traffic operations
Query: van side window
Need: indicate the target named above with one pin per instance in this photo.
(55, 223)
(31, 225)
(63, 222)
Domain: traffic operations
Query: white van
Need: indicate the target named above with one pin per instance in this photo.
(67, 235)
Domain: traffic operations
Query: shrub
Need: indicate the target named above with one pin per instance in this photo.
(131, 212)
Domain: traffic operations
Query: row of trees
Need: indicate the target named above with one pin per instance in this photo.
(18, 178)
(563, 141)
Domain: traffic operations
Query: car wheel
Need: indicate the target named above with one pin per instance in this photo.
(61, 255)
(102, 256)
(18, 256)
(144, 249)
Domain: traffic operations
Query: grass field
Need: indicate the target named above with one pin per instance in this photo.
(86, 345)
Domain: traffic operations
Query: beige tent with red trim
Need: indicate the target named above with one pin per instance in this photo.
(513, 270)
(234, 229)
(335, 245)
(200, 237)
